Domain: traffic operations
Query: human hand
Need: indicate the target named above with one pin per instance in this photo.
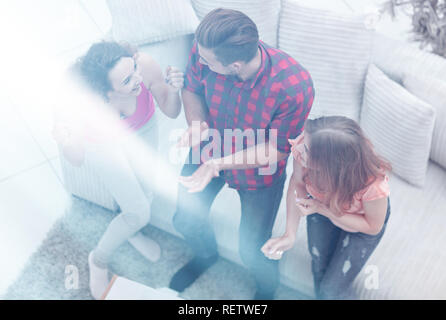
(201, 177)
(174, 78)
(309, 206)
(186, 139)
(274, 247)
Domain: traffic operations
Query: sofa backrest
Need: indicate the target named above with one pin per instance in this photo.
(395, 58)
(399, 61)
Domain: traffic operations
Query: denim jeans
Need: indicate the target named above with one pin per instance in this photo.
(259, 208)
(337, 256)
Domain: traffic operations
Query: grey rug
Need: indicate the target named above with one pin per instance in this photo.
(72, 237)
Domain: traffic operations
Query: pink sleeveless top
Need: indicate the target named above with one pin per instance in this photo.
(98, 132)
(145, 108)
(91, 130)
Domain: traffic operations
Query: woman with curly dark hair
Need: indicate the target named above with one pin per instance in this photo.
(129, 83)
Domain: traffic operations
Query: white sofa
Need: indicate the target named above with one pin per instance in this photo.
(410, 260)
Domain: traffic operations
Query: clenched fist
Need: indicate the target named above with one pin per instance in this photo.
(174, 78)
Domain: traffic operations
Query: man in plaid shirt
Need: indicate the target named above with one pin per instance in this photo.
(234, 81)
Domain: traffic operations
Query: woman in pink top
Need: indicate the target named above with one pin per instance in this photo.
(340, 184)
(128, 82)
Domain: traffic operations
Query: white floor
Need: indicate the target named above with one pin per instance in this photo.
(32, 196)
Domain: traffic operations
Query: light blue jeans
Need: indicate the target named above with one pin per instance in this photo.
(127, 169)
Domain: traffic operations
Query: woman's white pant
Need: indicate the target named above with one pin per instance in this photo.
(128, 169)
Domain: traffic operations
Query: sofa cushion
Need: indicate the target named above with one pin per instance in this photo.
(335, 48)
(397, 58)
(265, 13)
(399, 125)
(173, 52)
(433, 91)
(151, 21)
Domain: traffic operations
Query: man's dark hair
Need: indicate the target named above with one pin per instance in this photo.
(230, 34)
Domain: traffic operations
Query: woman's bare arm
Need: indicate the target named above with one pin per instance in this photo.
(166, 95)
(371, 222)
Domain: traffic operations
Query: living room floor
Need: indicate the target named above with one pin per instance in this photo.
(32, 196)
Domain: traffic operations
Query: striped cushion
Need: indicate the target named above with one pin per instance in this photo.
(399, 124)
(173, 52)
(433, 91)
(265, 14)
(141, 22)
(335, 48)
(397, 58)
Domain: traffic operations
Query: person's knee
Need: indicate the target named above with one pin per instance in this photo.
(137, 219)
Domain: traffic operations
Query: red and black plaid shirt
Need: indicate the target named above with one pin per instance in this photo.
(278, 97)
